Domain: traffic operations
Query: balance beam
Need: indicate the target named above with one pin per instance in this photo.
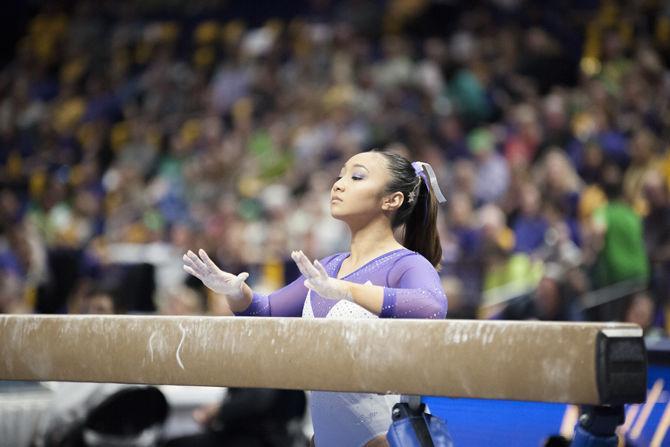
(585, 363)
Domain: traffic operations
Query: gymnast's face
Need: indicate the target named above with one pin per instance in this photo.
(358, 195)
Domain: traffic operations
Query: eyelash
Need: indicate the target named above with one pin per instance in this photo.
(353, 177)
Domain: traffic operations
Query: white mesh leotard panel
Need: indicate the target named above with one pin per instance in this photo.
(347, 419)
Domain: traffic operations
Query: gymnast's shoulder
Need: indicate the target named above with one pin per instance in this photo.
(414, 261)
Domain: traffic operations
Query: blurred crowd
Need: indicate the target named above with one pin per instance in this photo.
(128, 137)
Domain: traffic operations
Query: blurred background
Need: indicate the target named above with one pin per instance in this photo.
(132, 131)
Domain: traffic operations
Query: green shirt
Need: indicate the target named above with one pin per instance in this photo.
(623, 255)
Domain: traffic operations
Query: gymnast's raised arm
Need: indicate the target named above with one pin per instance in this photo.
(285, 302)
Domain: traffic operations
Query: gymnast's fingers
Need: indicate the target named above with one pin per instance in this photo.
(313, 272)
(190, 271)
(197, 261)
(298, 261)
(189, 262)
(321, 269)
(242, 277)
(206, 259)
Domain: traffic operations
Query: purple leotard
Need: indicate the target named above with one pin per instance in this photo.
(412, 289)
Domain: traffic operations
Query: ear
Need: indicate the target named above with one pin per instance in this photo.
(392, 202)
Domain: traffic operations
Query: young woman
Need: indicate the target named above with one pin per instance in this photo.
(375, 193)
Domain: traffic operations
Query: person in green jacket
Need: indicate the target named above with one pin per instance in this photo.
(618, 230)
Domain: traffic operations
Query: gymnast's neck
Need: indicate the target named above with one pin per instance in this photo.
(370, 239)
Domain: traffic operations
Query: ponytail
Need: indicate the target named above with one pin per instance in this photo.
(418, 212)
(420, 232)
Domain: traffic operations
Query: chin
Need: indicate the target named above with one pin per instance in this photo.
(338, 213)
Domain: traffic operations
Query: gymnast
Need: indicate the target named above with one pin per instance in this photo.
(376, 193)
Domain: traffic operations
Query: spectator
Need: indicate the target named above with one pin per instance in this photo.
(643, 160)
(181, 301)
(98, 301)
(641, 311)
(560, 185)
(548, 302)
(463, 253)
(529, 226)
(618, 236)
(492, 170)
(657, 234)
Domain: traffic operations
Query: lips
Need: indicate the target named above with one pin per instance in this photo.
(335, 198)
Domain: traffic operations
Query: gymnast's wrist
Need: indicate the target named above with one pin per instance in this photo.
(241, 301)
(347, 288)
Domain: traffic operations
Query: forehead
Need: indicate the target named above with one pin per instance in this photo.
(373, 161)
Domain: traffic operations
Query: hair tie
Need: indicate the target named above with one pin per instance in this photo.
(425, 171)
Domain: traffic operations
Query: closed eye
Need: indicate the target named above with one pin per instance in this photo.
(353, 177)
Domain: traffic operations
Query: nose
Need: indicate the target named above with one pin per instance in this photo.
(337, 186)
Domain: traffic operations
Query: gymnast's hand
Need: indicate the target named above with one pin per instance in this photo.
(213, 277)
(318, 280)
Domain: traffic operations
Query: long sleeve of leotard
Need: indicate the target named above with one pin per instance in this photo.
(285, 302)
(414, 291)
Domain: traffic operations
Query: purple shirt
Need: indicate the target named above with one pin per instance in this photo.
(412, 289)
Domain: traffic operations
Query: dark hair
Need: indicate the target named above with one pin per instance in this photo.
(419, 216)
(610, 182)
(105, 290)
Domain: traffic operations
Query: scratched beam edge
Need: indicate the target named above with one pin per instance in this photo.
(533, 361)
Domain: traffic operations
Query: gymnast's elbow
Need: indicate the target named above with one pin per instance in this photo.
(436, 309)
(441, 306)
